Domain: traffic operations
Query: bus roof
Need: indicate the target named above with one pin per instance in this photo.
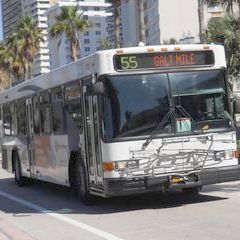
(100, 62)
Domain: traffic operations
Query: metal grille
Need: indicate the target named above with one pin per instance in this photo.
(153, 163)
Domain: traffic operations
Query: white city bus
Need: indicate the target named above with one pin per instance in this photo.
(124, 121)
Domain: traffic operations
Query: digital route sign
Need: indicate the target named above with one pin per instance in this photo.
(125, 62)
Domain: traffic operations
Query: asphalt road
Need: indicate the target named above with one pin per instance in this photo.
(48, 212)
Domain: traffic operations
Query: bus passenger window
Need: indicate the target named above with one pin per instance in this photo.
(73, 107)
(45, 113)
(13, 110)
(7, 120)
(57, 111)
(21, 117)
(36, 115)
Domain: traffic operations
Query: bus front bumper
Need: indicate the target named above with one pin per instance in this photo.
(125, 186)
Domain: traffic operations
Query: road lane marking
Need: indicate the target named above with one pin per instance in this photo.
(86, 227)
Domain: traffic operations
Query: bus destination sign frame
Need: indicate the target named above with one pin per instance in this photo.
(163, 60)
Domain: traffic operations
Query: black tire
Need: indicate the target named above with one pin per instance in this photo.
(81, 183)
(19, 179)
(191, 190)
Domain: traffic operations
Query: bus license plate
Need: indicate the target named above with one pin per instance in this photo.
(176, 179)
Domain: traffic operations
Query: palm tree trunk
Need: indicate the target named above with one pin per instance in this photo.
(79, 47)
(73, 50)
(9, 76)
(200, 19)
(30, 69)
(116, 5)
(25, 70)
(142, 34)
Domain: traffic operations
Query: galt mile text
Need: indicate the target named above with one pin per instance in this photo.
(159, 60)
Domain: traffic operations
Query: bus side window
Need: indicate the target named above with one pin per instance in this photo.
(57, 111)
(13, 110)
(21, 117)
(45, 113)
(73, 108)
(36, 115)
(7, 120)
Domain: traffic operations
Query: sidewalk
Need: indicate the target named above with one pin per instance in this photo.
(11, 232)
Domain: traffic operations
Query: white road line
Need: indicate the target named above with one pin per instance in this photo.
(58, 216)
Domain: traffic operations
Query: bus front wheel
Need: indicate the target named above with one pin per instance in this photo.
(82, 183)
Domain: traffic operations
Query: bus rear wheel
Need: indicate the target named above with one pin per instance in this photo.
(19, 179)
(81, 183)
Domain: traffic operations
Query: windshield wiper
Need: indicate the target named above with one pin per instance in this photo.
(172, 111)
(159, 126)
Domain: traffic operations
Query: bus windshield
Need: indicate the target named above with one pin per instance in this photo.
(169, 103)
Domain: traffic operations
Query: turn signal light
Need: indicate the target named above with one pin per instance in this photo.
(108, 166)
(177, 49)
(150, 50)
(119, 51)
(164, 49)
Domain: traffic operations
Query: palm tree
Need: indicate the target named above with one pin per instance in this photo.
(24, 44)
(4, 67)
(105, 44)
(171, 41)
(116, 13)
(70, 23)
(17, 63)
(142, 34)
(226, 31)
(201, 4)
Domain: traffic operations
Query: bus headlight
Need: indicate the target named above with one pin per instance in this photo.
(229, 154)
(121, 165)
(223, 155)
(219, 155)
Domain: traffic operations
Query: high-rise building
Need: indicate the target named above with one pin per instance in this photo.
(215, 10)
(164, 19)
(90, 40)
(11, 12)
(37, 9)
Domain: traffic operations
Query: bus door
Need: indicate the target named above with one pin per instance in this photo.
(30, 137)
(92, 139)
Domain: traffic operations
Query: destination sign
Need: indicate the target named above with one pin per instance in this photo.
(124, 62)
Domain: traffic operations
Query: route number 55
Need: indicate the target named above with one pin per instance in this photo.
(129, 62)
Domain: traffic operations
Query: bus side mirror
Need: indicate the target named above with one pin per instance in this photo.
(236, 109)
(236, 105)
(98, 88)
